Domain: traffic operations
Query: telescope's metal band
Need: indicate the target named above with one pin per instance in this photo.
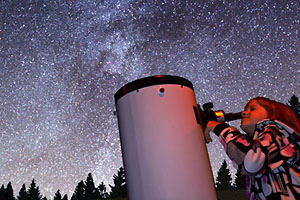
(150, 81)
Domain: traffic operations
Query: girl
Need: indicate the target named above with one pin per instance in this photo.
(269, 155)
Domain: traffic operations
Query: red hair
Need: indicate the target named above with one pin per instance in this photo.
(279, 111)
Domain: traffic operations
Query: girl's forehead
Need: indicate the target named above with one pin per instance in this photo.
(251, 103)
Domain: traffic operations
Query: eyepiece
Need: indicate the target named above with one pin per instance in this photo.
(233, 116)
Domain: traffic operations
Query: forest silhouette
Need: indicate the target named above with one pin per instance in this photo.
(85, 190)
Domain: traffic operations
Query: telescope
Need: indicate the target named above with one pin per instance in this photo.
(162, 141)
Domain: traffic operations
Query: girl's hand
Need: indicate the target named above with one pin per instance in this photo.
(210, 128)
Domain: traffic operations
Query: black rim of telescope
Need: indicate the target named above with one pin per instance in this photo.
(149, 81)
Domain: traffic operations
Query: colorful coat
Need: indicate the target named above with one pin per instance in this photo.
(270, 160)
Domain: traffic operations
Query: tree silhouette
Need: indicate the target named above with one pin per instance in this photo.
(119, 188)
(240, 180)
(9, 194)
(65, 197)
(2, 192)
(102, 191)
(23, 195)
(79, 192)
(89, 188)
(57, 196)
(34, 192)
(295, 105)
(97, 194)
(224, 178)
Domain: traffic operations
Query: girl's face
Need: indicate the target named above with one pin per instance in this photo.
(252, 114)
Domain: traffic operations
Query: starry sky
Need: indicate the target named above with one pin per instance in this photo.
(61, 63)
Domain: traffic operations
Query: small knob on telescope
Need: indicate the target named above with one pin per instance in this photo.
(161, 92)
(208, 106)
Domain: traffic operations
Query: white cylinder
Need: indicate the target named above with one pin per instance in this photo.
(163, 147)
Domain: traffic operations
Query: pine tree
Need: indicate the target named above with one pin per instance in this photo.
(57, 196)
(295, 105)
(79, 192)
(97, 194)
(9, 194)
(65, 197)
(23, 195)
(89, 188)
(119, 188)
(224, 179)
(2, 192)
(34, 192)
(240, 180)
(102, 191)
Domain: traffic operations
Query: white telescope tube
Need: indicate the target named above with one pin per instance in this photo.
(163, 146)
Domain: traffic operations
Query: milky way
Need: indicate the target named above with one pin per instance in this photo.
(62, 61)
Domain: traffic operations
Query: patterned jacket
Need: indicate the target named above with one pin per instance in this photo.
(270, 160)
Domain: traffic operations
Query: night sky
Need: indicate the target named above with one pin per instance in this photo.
(61, 63)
